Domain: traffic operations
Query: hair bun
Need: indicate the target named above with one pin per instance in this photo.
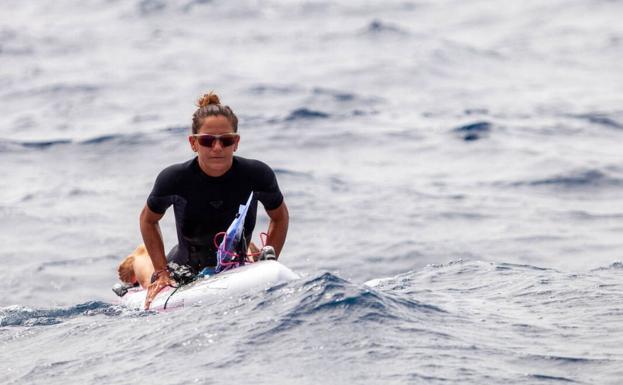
(207, 99)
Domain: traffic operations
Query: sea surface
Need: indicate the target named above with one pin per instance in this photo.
(453, 171)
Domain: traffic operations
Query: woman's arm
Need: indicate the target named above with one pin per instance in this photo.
(150, 230)
(278, 227)
(152, 237)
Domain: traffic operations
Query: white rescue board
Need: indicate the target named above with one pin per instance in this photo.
(238, 281)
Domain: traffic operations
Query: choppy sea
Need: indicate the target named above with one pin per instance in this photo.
(453, 171)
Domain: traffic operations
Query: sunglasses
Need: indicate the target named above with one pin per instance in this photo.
(207, 140)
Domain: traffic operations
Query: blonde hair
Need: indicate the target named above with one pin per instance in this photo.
(210, 105)
(126, 269)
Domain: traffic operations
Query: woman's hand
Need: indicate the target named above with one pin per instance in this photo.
(163, 280)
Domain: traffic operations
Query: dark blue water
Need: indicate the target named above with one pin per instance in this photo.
(452, 170)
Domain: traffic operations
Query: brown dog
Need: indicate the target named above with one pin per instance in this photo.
(136, 267)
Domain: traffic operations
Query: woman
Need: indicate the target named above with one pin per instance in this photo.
(206, 193)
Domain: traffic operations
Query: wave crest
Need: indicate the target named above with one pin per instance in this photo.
(328, 296)
(17, 315)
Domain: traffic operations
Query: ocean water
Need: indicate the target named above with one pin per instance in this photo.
(452, 169)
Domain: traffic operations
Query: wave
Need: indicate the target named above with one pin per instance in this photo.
(341, 103)
(102, 139)
(583, 215)
(378, 27)
(271, 89)
(340, 96)
(305, 114)
(43, 144)
(460, 305)
(24, 316)
(520, 283)
(601, 120)
(459, 276)
(329, 296)
(147, 8)
(618, 265)
(473, 131)
(476, 111)
(293, 173)
(576, 179)
(543, 377)
(349, 103)
(56, 90)
(126, 139)
(284, 90)
(11, 145)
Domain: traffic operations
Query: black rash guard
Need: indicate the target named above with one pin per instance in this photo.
(205, 205)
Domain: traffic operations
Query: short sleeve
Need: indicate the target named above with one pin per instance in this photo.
(267, 189)
(161, 196)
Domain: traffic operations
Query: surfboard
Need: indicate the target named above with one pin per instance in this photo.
(234, 282)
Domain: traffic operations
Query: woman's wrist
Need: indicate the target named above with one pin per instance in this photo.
(158, 273)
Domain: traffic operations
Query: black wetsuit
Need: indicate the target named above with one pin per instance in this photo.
(205, 205)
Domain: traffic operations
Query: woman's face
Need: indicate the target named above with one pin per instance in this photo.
(218, 158)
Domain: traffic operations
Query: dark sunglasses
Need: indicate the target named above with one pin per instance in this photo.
(207, 140)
